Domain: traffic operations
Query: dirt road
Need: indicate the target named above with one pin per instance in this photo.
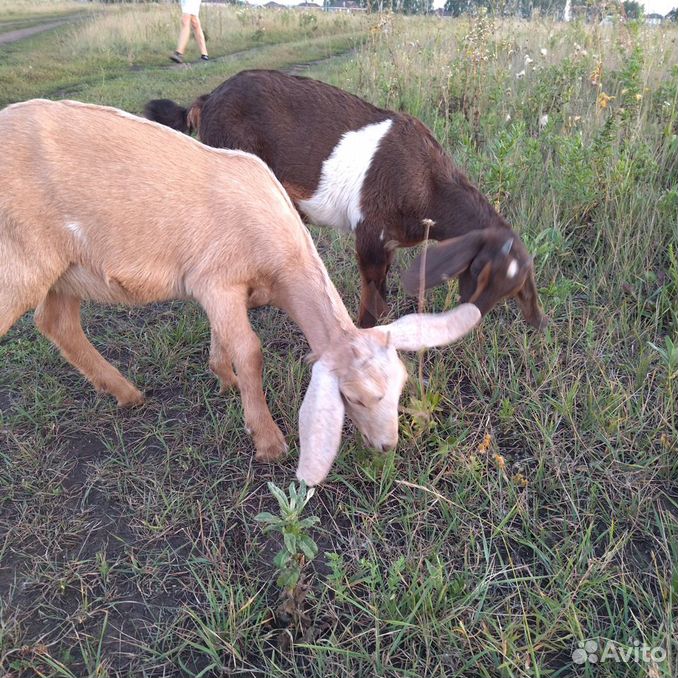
(13, 36)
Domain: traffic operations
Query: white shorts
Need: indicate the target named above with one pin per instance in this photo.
(190, 7)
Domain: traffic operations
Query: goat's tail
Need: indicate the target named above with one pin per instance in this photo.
(169, 113)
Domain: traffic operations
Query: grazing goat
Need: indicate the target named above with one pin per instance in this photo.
(378, 173)
(102, 205)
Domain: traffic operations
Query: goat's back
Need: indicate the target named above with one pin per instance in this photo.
(138, 201)
(291, 122)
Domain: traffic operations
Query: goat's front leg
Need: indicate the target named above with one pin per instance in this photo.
(233, 339)
(374, 260)
(58, 318)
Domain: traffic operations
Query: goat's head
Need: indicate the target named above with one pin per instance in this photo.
(491, 263)
(364, 379)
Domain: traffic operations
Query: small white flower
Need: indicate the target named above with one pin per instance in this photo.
(544, 51)
(543, 121)
(528, 61)
(508, 117)
(520, 75)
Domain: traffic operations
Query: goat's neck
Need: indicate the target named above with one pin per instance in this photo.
(459, 207)
(313, 302)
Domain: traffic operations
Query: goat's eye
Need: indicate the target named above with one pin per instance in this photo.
(359, 403)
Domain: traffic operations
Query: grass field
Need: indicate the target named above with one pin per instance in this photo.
(532, 503)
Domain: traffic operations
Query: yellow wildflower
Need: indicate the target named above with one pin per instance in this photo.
(520, 480)
(485, 445)
(604, 99)
(596, 74)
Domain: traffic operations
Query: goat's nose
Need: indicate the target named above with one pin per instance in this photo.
(387, 447)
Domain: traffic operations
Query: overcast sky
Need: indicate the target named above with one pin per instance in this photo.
(659, 6)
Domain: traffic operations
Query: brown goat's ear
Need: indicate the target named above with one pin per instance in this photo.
(528, 300)
(483, 281)
(446, 260)
(194, 112)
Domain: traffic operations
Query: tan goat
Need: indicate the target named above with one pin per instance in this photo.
(99, 204)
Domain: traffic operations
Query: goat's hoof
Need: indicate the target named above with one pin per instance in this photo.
(132, 399)
(272, 451)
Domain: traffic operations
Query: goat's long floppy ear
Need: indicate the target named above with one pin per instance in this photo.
(444, 261)
(425, 330)
(528, 300)
(320, 420)
(194, 112)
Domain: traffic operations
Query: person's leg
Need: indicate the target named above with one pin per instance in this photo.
(199, 35)
(184, 34)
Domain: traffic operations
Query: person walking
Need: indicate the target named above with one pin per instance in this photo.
(189, 19)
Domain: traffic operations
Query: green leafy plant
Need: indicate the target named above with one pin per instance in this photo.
(298, 547)
(669, 356)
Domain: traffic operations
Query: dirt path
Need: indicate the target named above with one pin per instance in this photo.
(13, 36)
(293, 69)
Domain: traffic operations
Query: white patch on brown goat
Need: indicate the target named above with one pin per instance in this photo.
(336, 201)
(512, 269)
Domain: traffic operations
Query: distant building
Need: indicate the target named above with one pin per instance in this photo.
(348, 6)
(654, 19)
(307, 5)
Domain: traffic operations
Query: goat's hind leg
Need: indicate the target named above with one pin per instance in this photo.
(10, 311)
(221, 363)
(58, 318)
(20, 283)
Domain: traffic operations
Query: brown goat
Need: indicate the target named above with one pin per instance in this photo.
(350, 165)
(102, 205)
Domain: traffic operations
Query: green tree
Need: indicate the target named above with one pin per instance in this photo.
(632, 9)
(458, 7)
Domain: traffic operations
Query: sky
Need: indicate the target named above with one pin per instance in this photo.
(659, 6)
(651, 6)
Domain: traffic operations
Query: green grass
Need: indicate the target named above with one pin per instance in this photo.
(119, 55)
(31, 12)
(532, 501)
